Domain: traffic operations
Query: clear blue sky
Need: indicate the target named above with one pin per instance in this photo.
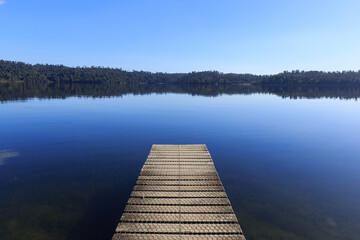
(241, 36)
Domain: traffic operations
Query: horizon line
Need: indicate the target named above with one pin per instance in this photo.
(151, 72)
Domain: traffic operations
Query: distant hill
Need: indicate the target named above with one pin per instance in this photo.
(12, 72)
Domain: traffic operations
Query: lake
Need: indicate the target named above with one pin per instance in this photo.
(288, 157)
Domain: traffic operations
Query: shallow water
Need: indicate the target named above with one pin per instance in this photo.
(290, 166)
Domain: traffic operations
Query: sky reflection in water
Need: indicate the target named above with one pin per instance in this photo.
(290, 167)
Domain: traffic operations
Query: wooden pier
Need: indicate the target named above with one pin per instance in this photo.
(178, 195)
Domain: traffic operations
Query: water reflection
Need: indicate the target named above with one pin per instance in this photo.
(290, 167)
(23, 91)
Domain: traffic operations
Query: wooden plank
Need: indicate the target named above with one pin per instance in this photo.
(177, 178)
(178, 188)
(176, 166)
(176, 237)
(182, 201)
(182, 183)
(178, 195)
(178, 208)
(173, 228)
(172, 218)
(149, 194)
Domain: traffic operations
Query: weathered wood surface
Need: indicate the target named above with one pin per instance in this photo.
(178, 195)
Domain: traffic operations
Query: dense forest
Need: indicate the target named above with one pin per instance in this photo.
(21, 72)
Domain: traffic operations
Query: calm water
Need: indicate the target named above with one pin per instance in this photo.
(290, 167)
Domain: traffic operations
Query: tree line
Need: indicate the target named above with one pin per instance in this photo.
(11, 71)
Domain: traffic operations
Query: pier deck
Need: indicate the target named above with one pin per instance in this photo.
(178, 195)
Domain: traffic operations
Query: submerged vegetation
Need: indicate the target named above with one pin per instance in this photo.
(21, 72)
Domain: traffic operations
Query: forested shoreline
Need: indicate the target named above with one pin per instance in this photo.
(11, 72)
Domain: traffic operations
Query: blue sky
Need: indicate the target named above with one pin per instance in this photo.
(241, 36)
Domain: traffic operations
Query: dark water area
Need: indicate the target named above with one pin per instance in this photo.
(23, 91)
(288, 156)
